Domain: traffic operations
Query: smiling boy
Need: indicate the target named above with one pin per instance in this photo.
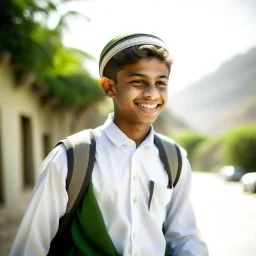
(139, 96)
(134, 70)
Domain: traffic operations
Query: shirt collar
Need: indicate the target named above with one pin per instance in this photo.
(119, 138)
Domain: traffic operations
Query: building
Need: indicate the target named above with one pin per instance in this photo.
(31, 122)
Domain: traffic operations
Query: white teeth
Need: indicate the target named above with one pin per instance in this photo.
(147, 106)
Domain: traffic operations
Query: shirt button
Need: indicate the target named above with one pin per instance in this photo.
(133, 235)
(135, 200)
(134, 177)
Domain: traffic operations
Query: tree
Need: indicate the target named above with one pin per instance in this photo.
(37, 48)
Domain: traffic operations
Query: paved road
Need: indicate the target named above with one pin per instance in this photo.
(225, 215)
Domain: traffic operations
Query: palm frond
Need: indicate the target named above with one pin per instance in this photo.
(62, 22)
(82, 53)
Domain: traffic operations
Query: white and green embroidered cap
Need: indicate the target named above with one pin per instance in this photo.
(125, 41)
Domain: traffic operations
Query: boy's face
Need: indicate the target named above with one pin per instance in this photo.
(141, 92)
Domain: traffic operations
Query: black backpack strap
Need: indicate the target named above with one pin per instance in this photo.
(170, 155)
(80, 149)
(179, 165)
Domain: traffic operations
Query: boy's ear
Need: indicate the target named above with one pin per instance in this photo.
(108, 86)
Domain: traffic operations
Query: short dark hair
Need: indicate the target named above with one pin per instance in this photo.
(132, 55)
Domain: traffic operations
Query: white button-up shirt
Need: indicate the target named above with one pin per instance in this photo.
(121, 178)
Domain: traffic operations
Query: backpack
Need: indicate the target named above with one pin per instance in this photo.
(81, 149)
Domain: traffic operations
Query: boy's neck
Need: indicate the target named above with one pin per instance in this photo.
(136, 132)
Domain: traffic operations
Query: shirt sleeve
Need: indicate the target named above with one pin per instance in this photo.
(47, 204)
(181, 233)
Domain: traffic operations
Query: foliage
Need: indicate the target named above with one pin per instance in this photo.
(35, 47)
(240, 147)
(84, 88)
(189, 140)
(208, 155)
(31, 44)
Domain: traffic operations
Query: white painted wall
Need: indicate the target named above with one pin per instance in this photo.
(14, 103)
(58, 122)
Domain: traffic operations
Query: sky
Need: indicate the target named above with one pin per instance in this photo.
(200, 34)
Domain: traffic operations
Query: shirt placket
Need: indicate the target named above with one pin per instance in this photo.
(134, 201)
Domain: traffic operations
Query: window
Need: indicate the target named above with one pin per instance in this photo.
(1, 164)
(46, 144)
(27, 152)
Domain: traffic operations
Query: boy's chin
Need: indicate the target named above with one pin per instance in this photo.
(149, 121)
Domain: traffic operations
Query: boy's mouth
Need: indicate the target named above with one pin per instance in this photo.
(147, 106)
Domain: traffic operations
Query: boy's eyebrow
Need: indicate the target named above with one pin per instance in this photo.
(142, 75)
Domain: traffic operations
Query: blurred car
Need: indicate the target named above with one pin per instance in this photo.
(249, 182)
(232, 172)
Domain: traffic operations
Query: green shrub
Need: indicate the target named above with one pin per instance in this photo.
(240, 147)
(208, 156)
(189, 140)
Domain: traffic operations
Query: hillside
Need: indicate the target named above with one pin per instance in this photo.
(223, 99)
(168, 122)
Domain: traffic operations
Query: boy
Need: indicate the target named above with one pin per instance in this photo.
(134, 72)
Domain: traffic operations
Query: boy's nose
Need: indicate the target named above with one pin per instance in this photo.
(151, 92)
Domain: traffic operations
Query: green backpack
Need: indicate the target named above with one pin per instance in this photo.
(81, 149)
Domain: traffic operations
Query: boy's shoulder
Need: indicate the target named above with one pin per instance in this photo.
(165, 138)
(170, 154)
(173, 142)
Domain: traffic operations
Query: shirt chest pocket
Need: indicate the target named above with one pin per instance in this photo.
(159, 197)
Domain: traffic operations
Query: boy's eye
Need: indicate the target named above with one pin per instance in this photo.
(142, 82)
(161, 83)
(138, 82)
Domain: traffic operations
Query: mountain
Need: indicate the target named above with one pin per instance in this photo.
(167, 122)
(221, 100)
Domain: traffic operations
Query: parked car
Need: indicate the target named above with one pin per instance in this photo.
(232, 172)
(249, 182)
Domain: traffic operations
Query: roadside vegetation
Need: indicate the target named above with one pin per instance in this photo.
(240, 147)
(236, 147)
(189, 140)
